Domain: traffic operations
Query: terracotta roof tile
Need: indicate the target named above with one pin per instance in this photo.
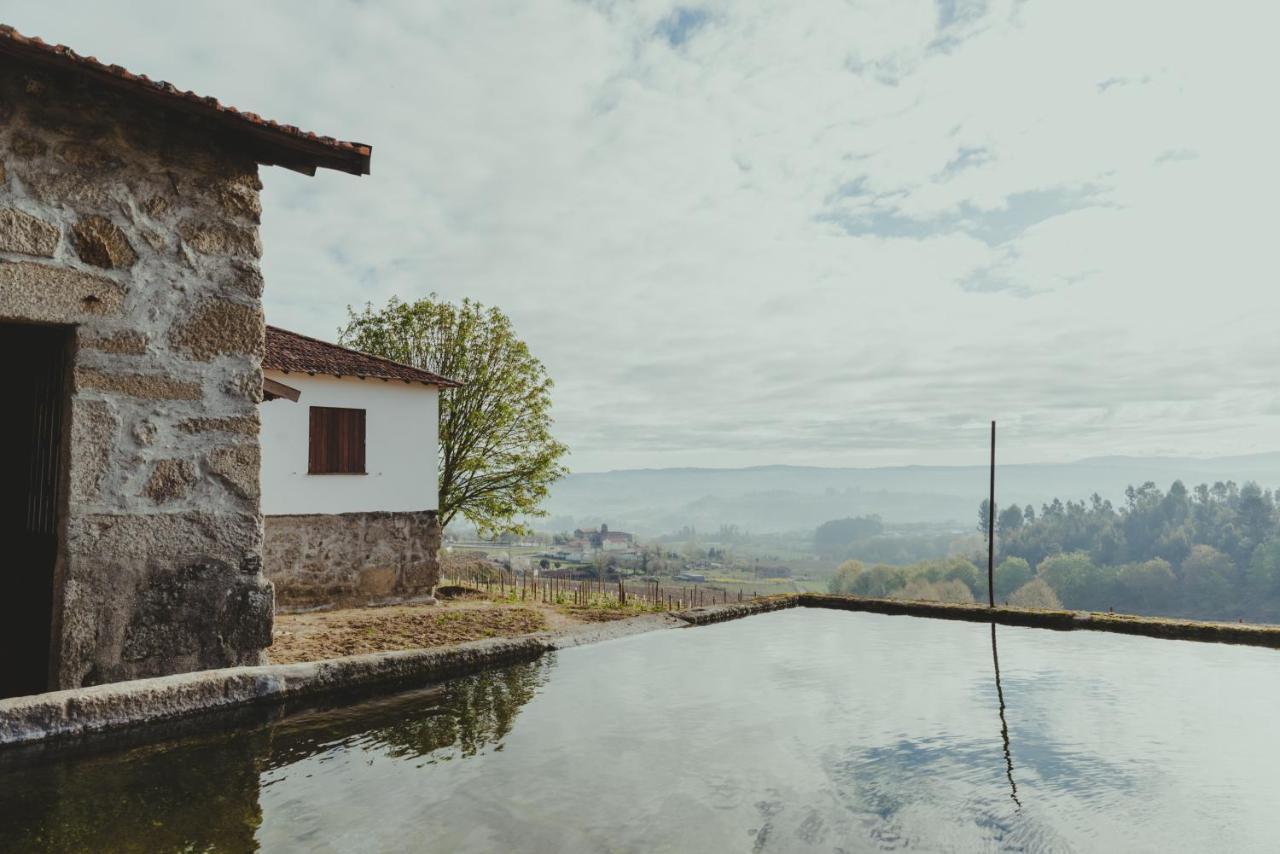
(270, 142)
(293, 353)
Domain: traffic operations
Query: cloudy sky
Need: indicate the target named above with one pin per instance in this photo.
(829, 232)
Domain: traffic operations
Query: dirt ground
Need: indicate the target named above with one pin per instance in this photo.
(332, 634)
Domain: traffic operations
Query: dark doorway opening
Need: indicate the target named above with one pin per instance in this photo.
(33, 394)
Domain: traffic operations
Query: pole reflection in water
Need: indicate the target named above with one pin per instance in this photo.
(1004, 725)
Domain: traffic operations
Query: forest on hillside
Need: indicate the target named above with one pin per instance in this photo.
(1212, 552)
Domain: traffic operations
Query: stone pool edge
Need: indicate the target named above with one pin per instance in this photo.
(63, 716)
(1249, 634)
(121, 706)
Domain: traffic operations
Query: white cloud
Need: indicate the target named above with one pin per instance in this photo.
(821, 232)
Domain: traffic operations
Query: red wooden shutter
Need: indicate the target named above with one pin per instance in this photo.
(337, 441)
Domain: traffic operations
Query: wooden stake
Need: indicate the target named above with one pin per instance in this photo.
(991, 525)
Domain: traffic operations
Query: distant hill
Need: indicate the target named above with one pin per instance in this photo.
(765, 499)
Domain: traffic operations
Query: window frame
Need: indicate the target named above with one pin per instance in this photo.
(337, 438)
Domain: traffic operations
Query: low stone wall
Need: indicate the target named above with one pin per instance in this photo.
(709, 614)
(1125, 624)
(349, 558)
(63, 715)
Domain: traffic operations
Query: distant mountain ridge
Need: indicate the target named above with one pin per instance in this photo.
(770, 498)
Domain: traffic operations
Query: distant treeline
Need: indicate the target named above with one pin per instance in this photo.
(866, 539)
(1212, 552)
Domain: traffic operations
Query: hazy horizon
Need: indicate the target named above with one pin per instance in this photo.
(789, 498)
(824, 233)
(1138, 458)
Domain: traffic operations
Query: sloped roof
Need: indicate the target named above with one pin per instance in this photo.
(268, 142)
(293, 353)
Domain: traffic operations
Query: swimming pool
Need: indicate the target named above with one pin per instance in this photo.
(800, 730)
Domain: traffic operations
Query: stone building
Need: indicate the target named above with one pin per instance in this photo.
(132, 333)
(350, 448)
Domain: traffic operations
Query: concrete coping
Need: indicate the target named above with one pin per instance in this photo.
(152, 705)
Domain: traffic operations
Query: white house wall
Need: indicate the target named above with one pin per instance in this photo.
(401, 440)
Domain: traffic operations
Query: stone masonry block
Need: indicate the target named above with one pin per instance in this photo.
(27, 235)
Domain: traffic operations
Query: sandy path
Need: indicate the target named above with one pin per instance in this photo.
(353, 631)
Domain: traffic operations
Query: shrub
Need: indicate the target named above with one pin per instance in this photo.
(1036, 593)
(842, 582)
(922, 590)
(879, 581)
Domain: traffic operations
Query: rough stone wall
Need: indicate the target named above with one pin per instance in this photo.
(141, 231)
(325, 559)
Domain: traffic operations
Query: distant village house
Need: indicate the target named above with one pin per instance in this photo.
(604, 539)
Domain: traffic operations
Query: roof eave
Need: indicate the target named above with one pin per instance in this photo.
(267, 142)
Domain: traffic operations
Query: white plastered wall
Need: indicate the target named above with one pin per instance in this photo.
(401, 447)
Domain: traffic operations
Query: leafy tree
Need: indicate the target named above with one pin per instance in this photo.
(838, 534)
(962, 570)
(497, 454)
(1078, 581)
(1009, 519)
(1011, 574)
(1262, 578)
(1148, 587)
(1207, 576)
(984, 517)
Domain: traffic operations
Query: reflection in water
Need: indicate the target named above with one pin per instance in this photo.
(202, 797)
(1004, 726)
(203, 793)
(797, 732)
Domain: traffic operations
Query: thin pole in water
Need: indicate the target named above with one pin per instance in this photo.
(991, 525)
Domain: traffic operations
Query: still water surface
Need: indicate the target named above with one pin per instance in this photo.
(803, 730)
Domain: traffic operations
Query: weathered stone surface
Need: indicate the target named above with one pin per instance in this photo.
(149, 386)
(88, 158)
(238, 196)
(127, 341)
(170, 479)
(322, 559)
(157, 206)
(221, 238)
(25, 145)
(144, 432)
(237, 466)
(376, 580)
(221, 326)
(147, 585)
(70, 117)
(93, 435)
(23, 233)
(244, 425)
(246, 386)
(71, 189)
(100, 242)
(31, 291)
(185, 610)
(121, 585)
(131, 536)
(248, 280)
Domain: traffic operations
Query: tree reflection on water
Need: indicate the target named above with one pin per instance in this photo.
(202, 793)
